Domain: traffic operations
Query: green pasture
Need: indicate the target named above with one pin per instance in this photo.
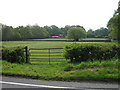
(43, 44)
(35, 57)
(43, 54)
(107, 70)
(35, 44)
(64, 39)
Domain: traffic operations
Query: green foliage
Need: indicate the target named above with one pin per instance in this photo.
(39, 32)
(107, 70)
(53, 30)
(89, 52)
(7, 33)
(114, 25)
(76, 33)
(14, 55)
(99, 33)
(22, 33)
(90, 34)
(65, 29)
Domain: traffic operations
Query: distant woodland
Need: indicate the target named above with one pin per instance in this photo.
(36, 32)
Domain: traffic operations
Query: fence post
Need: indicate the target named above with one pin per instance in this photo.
(49, 55)
(26, 50)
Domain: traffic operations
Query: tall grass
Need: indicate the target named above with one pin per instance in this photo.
(104, 71)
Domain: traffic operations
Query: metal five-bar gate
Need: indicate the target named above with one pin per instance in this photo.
(38, 55)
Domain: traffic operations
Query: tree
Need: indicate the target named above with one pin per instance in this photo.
(90, 34)
(101, 33)
(65, 29)
(23, 33)
(76, 33)
(53, 30)
(7, 33)
(39, 32)
(1, 25)
(114, 25)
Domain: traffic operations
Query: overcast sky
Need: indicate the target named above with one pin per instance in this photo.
(91, 14)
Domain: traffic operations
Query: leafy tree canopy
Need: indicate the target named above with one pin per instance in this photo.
(76, 33)
(114, 25)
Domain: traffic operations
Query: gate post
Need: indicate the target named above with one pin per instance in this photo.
(26, 50)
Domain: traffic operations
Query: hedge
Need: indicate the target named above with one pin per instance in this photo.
(14, 54)
(89, 52)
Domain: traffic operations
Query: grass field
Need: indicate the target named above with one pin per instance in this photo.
(40, 44)
(64, 71)
(36, 44)
(68, 39)
(45, 44)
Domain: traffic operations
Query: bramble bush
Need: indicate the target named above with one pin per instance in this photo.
(90, 52)
(14, 54)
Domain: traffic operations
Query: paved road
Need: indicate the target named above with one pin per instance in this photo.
(10, 82)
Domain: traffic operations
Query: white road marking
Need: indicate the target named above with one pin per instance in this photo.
(34, 85)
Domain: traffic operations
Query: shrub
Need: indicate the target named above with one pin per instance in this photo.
(89, 52)
(14, 55)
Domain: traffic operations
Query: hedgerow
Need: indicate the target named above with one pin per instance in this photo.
(14, 55)
(90, 52)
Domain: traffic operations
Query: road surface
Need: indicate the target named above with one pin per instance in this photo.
(12, 82)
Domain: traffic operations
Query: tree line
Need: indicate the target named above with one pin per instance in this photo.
(99, 33)
(37, 32)
(22, 33)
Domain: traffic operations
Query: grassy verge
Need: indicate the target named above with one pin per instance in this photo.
(63, 71)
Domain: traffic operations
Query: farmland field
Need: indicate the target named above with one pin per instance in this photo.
(42, 55)
(36, 44)
(107, 70)
(64, 39)
(44, 44)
